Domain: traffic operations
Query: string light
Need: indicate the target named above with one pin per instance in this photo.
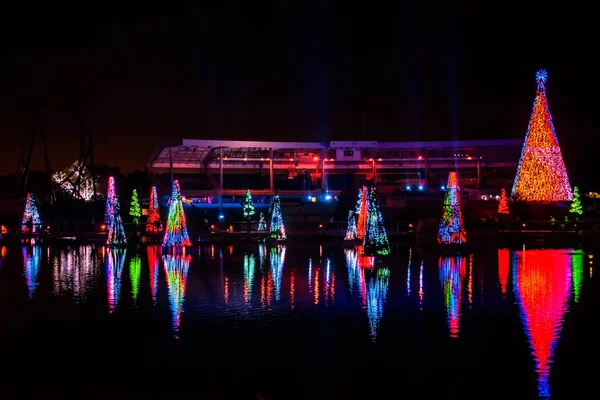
(541, 174)
(362, 209)
(277, 227)
(111, 195)
(576, 203)
(134, 209)
(74, 175)
(351, 230)
(31, 217)
(375, 241)
(451, 229)
(116, 232)
(154, 224)
(248, 206)
(262, 225)
(503, 205)
(176, 233)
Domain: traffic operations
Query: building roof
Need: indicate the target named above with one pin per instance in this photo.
(196, 152)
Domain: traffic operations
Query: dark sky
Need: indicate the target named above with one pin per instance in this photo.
(293, 71)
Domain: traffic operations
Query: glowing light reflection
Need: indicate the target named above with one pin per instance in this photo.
(452, 271)
(176, 270)
(31, 265)
(115, 260)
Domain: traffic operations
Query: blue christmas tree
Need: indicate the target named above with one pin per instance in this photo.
(276, 226)
(116, 232)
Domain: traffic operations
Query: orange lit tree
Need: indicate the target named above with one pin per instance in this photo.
(503, 205)
(541, 174)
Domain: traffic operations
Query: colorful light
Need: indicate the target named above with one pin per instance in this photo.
(74, 271)
(277, 258)
(135, 269)
(373, 287)
(276, 226)
(153, 254)
(176, 270)
(249, 267)
(351, 230)
(31, 217)
(248, 206)
(576, 203)
(362, 210)
(111, 196)
(31, 265)
(176, 233)
(134, 209)
(503, 268)
(262, 226)
(154, 224)
(115, 260)
(541, 174)
(375, 241)
(452, 273)
(451, 229)
(77, 181)
(541, 281)
(503, 205)
(116, 231)
(577, 273)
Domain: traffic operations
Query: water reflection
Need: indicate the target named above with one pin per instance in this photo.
(542, 282)
(277, 258)
(135, 271)
(31, 265)
(577, 273)
(74, 271)
(115, 260)
(503, 268)
(371, 283)
(452, 272)
(2, 254)
(249, 267)
(176, 270)
(153, 257)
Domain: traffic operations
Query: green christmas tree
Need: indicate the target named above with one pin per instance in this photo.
(576, 203)
(135, 209)
(248, 208)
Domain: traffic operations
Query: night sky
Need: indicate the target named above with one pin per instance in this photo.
(300, 71)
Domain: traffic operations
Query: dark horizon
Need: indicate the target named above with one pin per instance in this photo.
(305, 73)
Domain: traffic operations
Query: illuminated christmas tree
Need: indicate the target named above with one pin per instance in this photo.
(111, 195)
(375, 241)
(154, 224)
(503, 205)
(452, 229)
(248, 208)
(576, 203)
(31, 217)
(351, 230)
(362, 211)
(176, 233)
(276, 226)
(134, 209)
(541, 174)
(116, 232)
(262, 225)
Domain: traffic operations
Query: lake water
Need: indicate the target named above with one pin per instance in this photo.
(301, 321)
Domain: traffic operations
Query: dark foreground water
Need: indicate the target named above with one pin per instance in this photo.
(297, 322)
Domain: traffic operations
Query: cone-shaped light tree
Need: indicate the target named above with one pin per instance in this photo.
(31, 222)
(176, 233)
(248, 208)
(362, 212)
(276, 226)
(154, 224)
(452, 228)
(375, 241)
(111, 195)
(134, 209)
(351, 230)
(262, 225)
(576, 203)
(116, 232)
(503, 205)
(541, 174)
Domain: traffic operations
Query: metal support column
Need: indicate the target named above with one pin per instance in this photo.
(374, 173)
(271, 186)
(479, 172)
(171, 163)
(221, 170)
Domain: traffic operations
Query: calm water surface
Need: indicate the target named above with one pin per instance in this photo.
(303, 321)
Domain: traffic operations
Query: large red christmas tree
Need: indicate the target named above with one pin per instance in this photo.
(541, 174)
